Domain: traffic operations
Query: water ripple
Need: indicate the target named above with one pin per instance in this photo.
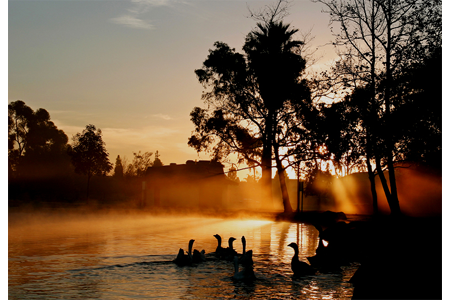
(136, 263)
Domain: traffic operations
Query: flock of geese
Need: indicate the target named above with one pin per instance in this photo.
(193, 256)
(299, 268)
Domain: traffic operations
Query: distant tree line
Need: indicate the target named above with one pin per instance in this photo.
(44, 168)
(386, 91)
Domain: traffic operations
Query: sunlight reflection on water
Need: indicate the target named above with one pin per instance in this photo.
(116, 257)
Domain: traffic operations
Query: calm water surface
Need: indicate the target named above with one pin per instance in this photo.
(130, 257)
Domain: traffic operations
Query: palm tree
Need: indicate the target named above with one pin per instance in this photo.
(276, 62)
(254, 101)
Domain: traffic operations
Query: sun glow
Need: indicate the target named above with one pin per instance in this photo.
(345, 192)
(253, 223)
(323, 150)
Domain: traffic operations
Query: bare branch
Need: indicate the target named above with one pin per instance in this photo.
(271, 13)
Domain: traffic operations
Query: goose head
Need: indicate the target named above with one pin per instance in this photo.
(230, 242)
(219, 238)
(293, 245)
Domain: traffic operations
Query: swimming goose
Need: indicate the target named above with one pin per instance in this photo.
(230, 243)
(183, 259)
(299, 268)
(180, 260)
(219, 250)
(246, 257)
(198, 256)
(229, 253)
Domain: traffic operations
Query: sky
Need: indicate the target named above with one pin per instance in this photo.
(127, 66)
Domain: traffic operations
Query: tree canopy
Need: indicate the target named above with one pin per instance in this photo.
(381, 43)
(89, 155)
(141, 162)
(257, 102)
(118, 168)
(36, 147)
(157, 162)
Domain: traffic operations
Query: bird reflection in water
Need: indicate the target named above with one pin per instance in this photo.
(246, 274)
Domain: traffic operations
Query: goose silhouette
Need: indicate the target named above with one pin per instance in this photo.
(299, 268)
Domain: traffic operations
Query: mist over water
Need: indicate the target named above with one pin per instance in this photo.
(127, 253)
(117, 256)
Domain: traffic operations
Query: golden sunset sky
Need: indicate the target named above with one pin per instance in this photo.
(128, 66)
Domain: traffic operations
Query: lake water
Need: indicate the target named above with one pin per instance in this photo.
(124, 256)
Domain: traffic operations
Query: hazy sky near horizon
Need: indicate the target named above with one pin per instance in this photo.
(128, 66)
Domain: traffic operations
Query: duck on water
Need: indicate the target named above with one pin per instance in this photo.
(299, 268)
(219, 248)
(191, 257)
(183, 259)
(225, 253)
(246, 257)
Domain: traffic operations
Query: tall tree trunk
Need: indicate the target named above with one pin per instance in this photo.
(266, 161)
(284, 192)
(393, 199)
(369, 111)
(373, 189)
(382, 177)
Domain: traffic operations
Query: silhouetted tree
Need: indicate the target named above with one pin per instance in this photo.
(256, 99)
(36, 147)
(89, 155)
(157, 162)
(417, 95)
(118, 169)
(250, 179)
(343, 135)
(278, 65)
(271, 13)
(141, 162)
(348, 126)
(380, 39)
(19, 115)
(232, 174)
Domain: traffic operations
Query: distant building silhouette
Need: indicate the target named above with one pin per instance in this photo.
(203, 185)
(199, 184)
